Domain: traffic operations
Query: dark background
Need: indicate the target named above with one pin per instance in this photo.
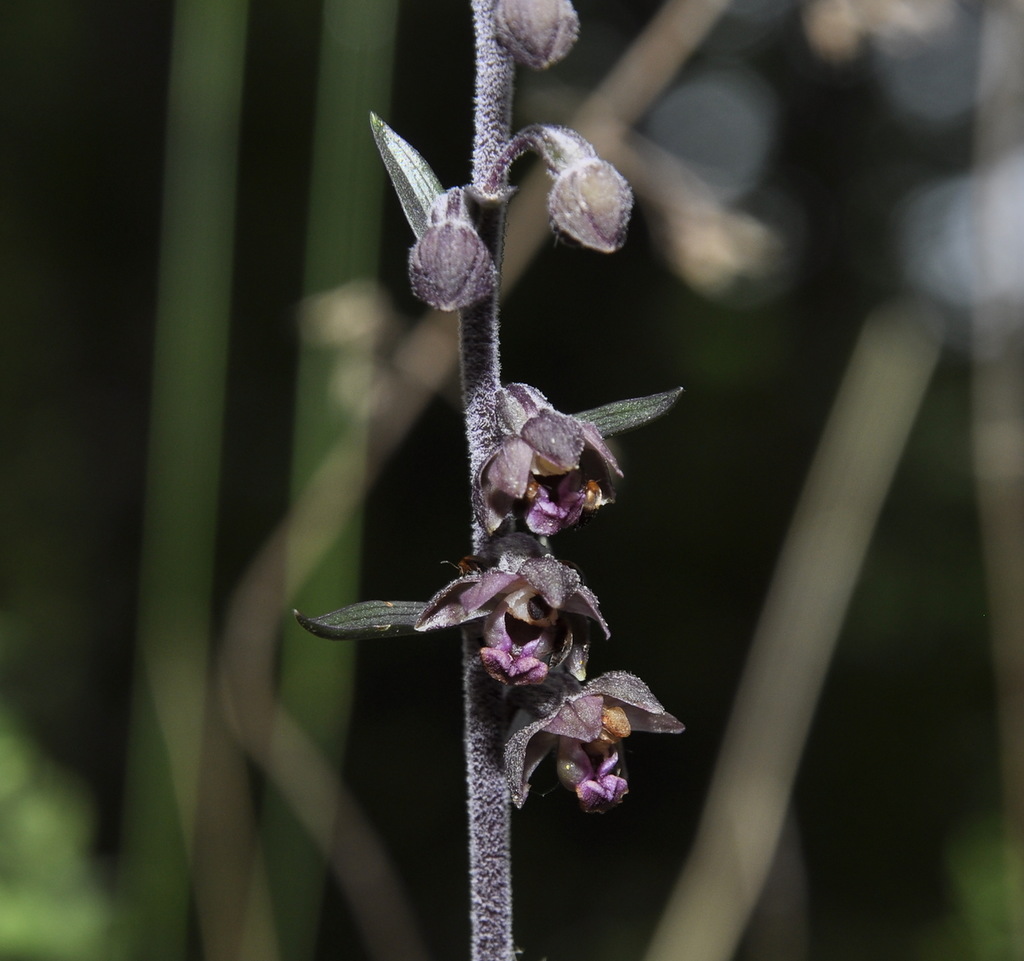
(895, 813)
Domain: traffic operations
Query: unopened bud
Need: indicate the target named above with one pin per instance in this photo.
(450, 267)
(589, 204)
(538, 33)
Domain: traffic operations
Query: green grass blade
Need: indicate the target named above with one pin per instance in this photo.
(193, 309)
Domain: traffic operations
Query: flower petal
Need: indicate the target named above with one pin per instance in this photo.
(491, 583)
(579, 718)
(643, 709)
(445, 608)
(557, 438)
(595, 441)
(553, 580)
(584, 602)
(523, 752)
(509, 469)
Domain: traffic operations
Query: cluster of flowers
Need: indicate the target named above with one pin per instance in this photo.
(542, 472)
(549, 472)
(533, 613)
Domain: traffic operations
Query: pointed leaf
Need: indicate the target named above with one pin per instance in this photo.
(415, 183)
(366, 619)
(623, 415)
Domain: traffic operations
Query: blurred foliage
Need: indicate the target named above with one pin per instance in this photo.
(979, 927)
(53, 905)
(894, 831)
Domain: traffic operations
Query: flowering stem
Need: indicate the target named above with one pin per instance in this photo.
(490, 874)
(480, 364)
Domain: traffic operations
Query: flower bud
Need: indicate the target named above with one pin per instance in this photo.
(589, 204)
(537, 33)
(450, 267)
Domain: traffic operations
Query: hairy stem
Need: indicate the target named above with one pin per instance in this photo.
(494, 74)
(480, 364)
(490, 875)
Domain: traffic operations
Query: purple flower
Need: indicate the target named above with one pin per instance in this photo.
(584, 725)
(534, 612)
(551, 468)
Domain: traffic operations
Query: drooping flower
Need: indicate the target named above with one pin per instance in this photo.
(535, 613)
(590, 202)
(584, 725)
(551, 468)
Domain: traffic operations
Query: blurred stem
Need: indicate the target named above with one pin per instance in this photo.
(998, 415)
(814, 578)
(303, 776)
(342, 243)
(176, 566)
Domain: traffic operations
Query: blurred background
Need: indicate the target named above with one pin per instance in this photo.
(220, 402)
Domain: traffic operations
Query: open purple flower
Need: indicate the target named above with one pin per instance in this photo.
(551, 468)
(535, 613)
(584, 725)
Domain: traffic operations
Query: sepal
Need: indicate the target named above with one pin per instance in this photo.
(415, 183)
(367, 619)
(625, 415)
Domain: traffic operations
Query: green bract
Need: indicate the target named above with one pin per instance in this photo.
(364, 620)
(415, 183)
(623, 415)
